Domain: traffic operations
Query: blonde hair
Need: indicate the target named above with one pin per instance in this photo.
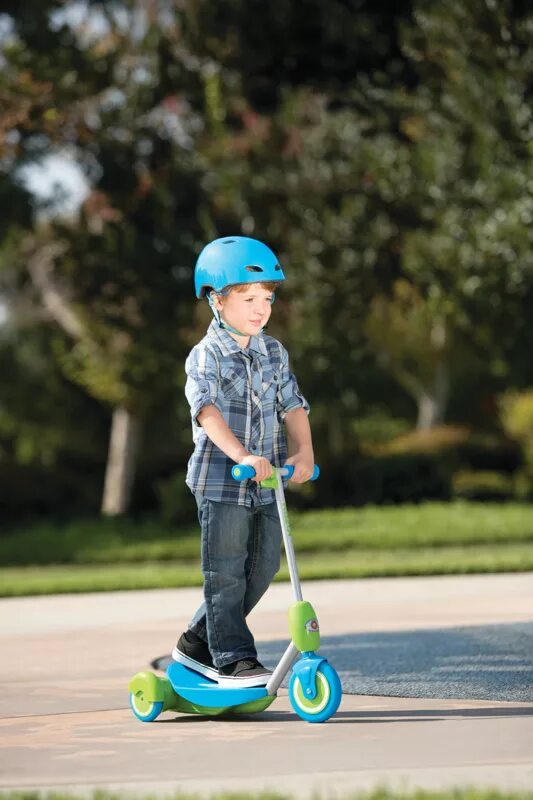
(268, 286)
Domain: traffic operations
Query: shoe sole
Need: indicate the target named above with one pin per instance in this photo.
(197, 666)
(226, 682)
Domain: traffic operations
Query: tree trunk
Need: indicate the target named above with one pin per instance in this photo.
(432, 403)
(121, 462)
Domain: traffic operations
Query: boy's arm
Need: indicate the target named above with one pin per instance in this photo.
(299, 444)
(223, 437)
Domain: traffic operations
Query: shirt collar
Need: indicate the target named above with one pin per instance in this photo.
(228, 344)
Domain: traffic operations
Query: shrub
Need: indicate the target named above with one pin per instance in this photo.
(439, 439)
(458, 448)
(523, 486)
(176, 503)
(397, 478)
(413, 477)
(28, 489)
(484, 485)
(516, 411)
(377, 428)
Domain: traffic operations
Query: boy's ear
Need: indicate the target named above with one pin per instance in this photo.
(216, 301)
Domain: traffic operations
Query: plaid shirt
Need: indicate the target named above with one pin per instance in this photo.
(253, 389)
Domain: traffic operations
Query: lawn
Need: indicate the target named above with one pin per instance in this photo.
(468, 793)
(426, 539)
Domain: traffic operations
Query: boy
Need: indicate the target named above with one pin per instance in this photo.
(241, 391)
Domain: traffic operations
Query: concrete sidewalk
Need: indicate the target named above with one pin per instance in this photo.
(64, 720)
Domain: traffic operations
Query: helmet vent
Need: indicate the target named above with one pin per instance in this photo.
(277, 267)
(255, 269)
(228, 241)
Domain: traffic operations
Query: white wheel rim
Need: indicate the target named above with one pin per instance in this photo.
(142, 711)
(314, 709)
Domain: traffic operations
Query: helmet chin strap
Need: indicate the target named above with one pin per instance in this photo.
(220, 321)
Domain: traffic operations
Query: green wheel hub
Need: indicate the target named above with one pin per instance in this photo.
(319, 702)
(141, 704)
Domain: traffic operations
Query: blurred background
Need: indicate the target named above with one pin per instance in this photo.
(383, 151)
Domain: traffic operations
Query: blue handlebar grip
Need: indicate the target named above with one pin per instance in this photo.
(290, 471)
(242, 471)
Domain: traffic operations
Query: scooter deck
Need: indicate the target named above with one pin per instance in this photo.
(196, 688)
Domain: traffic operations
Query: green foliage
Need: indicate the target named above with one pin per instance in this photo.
(474, 246)
(465, 201)
(483, 485)
(380, 479)
(175, 499)
(19, 581)
(410, 331)
(516, 409)
(439, 439)
(102, 555)
(119, 267)
(52, 438)
(517, 415)
(377, 427)
(469, 793)
(93, 541)
(384, 154)
(426, 525)
(457, 447)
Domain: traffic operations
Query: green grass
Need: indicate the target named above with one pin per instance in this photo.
(427, 524)
(377, 528)
(466, 793)
(361, 563)
(426, 539)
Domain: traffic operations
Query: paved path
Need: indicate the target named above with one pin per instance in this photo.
(65, 662)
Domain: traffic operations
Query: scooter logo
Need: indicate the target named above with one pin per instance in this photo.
(311, 626)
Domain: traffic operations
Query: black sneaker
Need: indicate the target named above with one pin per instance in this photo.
(244, 673)
(193, 652)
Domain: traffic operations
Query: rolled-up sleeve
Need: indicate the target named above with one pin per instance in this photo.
(289, 394)
(201, 387)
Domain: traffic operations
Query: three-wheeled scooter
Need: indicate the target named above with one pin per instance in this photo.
(314, 687)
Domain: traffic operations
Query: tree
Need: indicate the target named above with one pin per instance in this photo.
(372, 150)
(411, 337)
(468, 125)
(428, 182)
(116, 279)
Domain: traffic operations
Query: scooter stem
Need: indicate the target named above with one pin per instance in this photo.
(242, 472)
(286, 531)
(287, 660)
(292, 652)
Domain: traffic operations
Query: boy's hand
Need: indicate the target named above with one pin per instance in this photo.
(304, 466)
(263, 467)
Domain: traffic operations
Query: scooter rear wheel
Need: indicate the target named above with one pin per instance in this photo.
(326, 701)
(145, 710)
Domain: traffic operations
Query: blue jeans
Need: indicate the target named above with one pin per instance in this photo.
(241, 550)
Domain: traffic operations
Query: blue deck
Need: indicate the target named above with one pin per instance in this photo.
(198, 689)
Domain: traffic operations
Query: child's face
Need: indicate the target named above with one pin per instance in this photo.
(247, 311)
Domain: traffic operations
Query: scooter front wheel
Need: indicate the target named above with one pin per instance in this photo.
(327, 698)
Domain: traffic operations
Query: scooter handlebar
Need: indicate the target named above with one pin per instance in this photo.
(241, 472)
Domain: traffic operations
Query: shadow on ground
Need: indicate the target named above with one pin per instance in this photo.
(364, 716)
(489, 662)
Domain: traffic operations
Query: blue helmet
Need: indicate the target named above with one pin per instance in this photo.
(235, 259)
